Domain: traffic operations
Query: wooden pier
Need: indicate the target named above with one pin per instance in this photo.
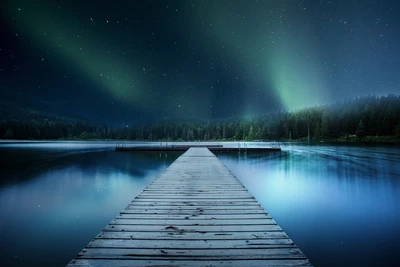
(195, 214)
(212, 148)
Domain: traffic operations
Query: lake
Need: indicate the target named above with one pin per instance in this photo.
(339, 204)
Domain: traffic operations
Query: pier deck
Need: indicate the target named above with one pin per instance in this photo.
(195, 214)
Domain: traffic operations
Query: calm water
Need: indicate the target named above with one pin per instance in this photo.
(339, 204)
(55, 197)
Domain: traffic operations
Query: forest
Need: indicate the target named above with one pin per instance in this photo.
(367, 119)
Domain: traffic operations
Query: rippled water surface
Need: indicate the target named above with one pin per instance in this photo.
(339, 204)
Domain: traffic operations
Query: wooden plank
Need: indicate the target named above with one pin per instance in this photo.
(188, 197)
(187, 190)
(194, 185)
(201, 217)
(210, 190)
(220, 187)
(164, 183)
(192, 244)
(194, 204)
(198, 217)
(195, 214)
(188, 263)
(214, 202)
(191, 236)
(170, 194)
(191, 208)
(193, 228)
(190, 222)
(183, 186)
(222, 254)
(193, 198)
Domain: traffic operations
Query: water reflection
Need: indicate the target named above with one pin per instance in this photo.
(339, 204)
(51, 208)
(331, 200)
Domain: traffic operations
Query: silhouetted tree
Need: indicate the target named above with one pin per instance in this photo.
(376, 116)
(360, 131)
(9, 134)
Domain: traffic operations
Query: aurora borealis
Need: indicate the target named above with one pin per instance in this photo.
(124, 61)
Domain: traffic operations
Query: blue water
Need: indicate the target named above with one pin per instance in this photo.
(339, 204)
(55, 197)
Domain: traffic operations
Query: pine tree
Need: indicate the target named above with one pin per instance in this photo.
(360, 131)
(325, 126)
(250, 137)
(9, 134)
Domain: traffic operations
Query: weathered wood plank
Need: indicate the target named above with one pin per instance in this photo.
(194, 204)
(217, 217)
(191, 191)
(214, 202)
(191, 236)
(195, 214)
(226, 254)
(196, 193)
(204, 184)
(193, 198)
(191, 244)
(191, 208)
(193, 228)
(190, 222)
(183, 187)
(198, 217)
(189, 263)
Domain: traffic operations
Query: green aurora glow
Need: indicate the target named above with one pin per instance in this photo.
(208, 59)
(113, 75)
(283, 67)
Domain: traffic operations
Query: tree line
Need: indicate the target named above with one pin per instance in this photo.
(358, 118)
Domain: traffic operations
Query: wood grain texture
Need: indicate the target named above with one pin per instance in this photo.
(194, 214)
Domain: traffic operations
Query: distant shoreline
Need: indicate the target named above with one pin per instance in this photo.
(369, 140)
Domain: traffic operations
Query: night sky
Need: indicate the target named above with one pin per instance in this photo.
(130, 61)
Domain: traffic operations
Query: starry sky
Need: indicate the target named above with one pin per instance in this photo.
(129, 61)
